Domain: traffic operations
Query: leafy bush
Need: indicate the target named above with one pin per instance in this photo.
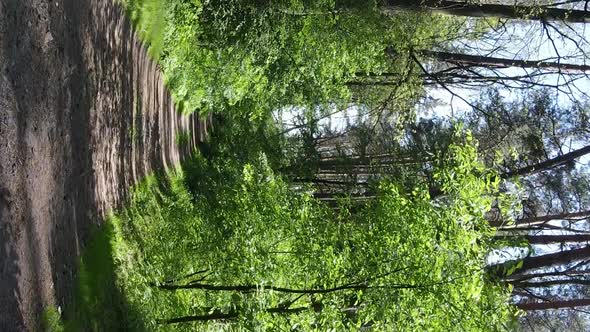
(253, 57)
(260, 256)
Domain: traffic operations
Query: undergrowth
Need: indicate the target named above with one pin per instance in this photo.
(98, 304)
(108, 270)
(252, 57)
(221, 222)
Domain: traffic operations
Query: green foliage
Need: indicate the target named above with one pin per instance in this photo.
(98, 304)
(149, 17)
(154, 217)
(253, 57)
(525, 131)
(404, 262)
(225, 236)
(239, 51)
(52, 320)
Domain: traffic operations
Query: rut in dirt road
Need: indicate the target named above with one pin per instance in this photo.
(83, 116)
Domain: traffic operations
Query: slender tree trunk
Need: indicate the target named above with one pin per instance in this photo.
(570, 272)
(200, 318)
(353, 197)
(493, 62)
(541, 220)
(549, 283)
(547, 239)
(376, 156)
(535, 262)
(528, 306)
(252, 288)
(371, 84)
(548, 164)
(531, 221)
(465, 8)
(229, 315)
(329, 182)
(540, 228)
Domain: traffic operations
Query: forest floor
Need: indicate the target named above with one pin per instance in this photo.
(84, 115)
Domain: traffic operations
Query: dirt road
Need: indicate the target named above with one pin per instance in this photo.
(83, 116)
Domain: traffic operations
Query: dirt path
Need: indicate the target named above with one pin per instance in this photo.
(83, 116)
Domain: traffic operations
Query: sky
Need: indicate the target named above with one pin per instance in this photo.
(528, 41)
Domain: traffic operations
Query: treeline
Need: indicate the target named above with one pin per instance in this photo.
(333, 94)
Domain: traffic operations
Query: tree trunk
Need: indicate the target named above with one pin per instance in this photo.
(570, 272)
(330, 182)
(547, 239)
(230, 315)
(353, 197)
(540, 220)
(540, 228)
(561, 216)
(253, 288)
(200, 318)
(549, 283)
(464, 8)
(548, 164)
(553, 304)
(468, 60)
(535, 262)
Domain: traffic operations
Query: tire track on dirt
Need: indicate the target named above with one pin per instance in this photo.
(83, 116)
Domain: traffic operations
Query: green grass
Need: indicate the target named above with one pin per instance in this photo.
(98, 304)
(113, 277)
(103, 272)
(148, 17)
(52, 320)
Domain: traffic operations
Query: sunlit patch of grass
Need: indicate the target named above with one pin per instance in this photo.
(160, 209)
(149, 18)
(114, 284)
(113, 287)
(98, 304)
(51, 320)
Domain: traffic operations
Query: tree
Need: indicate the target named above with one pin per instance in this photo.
(468, 60)
(265, 255)
(547, 239)
(383, 221)
(549, 163)
(553, 304)
(531, 263)
(472, 9)
(570, 216)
